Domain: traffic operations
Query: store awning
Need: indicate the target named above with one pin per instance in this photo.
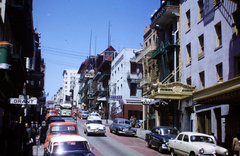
(102, 99)
(155, 101)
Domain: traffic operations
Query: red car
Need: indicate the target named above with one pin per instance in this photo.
(60, 128)
(50, 113)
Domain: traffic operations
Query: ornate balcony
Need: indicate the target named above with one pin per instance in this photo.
(167, 12)
(146, 52)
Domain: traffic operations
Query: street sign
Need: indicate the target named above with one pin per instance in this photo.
(23, 101)
(116, 97)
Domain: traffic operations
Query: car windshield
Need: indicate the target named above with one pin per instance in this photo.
(166, 131)
(84, 112)
(61, 147)
(124, 122)
(95, 122)
(201, 139)
(94, 114)
(63, 130)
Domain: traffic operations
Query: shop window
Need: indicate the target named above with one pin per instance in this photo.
(236, 17)
(202, 79)
(201, 43)
(204, 122)
(189, 52)
(218, 29)
(188, 20)
(200, 8)
(219, 72)
(133, 89)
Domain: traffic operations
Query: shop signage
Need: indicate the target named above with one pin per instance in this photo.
(116, 97)
(34, 75)
(146, 101)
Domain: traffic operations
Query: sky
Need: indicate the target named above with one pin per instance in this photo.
(69, 27)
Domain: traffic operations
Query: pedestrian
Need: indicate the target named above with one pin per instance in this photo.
(134, 121)
(235, 145)
(27, 141)
(131, 121)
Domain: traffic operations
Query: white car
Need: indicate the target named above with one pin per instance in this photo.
(95, 115)
(94, 126)
(193, 144)
(68, 145)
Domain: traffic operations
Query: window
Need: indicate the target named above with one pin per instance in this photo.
(219, 72)
(185, 138)
(188, 20)
(189, 81)
(236, 17)
(202, 80)
(189, 52)
(219, 34)
(133, 89)
(180, 137)
(200, 8)
(133, 68)
(201, 42)
(237, 65)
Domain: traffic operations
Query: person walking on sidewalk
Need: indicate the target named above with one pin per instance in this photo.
(235, 145)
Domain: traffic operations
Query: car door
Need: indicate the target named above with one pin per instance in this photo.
(185, 144)
(154, 139)
(177, 144)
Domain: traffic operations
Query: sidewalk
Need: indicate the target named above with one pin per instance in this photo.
(140, 131)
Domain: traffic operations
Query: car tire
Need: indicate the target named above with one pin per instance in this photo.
(172, 153)
(110, 130)
(160, 148)
(87, 133)
(192, 154)
(116, 131)
(148, 144)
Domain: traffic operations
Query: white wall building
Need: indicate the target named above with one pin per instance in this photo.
(125, 82)
(69, 82)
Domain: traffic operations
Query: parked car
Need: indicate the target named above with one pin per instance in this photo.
(50, 113)
(94, 126)
(74, 111)
(54, 118)
(60, 128)
(83, 114)
(68, 145)
(159, 137)
(122, 126)
(193, 143)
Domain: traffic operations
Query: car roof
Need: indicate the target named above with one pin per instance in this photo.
(63, 124)
(94, 118)
(195, 133)
(64, 138)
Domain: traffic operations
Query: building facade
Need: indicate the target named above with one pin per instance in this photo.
(124, 85)
(69, 79)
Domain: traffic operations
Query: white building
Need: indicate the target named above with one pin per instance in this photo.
(125, 92)
(69, 83)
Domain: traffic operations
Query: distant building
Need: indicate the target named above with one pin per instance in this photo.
(69, 83)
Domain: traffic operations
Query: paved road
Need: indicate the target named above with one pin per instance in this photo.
(111, 144)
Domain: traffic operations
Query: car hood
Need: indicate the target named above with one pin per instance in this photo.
(77, 153)
(95, 126)
(125, 126)
(209, 147)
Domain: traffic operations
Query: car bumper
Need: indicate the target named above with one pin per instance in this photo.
(95, 131)
(127, 132)
(164, 147)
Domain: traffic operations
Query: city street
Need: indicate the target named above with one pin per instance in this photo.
(111, 144)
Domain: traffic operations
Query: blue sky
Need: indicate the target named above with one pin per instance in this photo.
(66, 26)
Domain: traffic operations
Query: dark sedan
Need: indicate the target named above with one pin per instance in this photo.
(122, 126)
(159, 137)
